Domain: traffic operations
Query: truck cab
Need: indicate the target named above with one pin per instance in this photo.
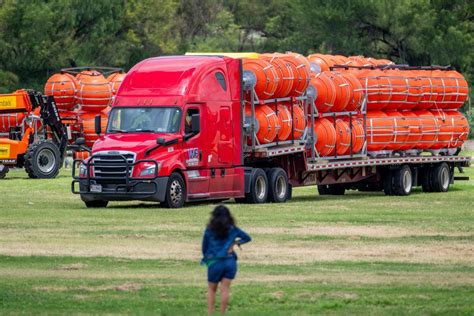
(173, 135)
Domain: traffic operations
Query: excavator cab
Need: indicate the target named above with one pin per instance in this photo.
(31, 134)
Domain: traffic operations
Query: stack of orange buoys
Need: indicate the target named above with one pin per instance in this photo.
(94, 92)
(273, 77)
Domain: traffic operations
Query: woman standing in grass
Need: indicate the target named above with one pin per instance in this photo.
(220, 237)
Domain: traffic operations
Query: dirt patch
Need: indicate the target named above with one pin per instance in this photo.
(445, 279)
(377, 231)
(126, 287)
(72, 266)
(277, 294)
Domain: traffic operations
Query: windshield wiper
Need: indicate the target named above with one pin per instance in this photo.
(117, 130)
(145, 131)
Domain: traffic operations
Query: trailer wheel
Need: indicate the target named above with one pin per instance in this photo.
(96, 204)
(258, 187)
(425, 179)
(3, 171)
(323, 189)
(440, 178)
(43, 160)
(331, 189)
(402, 181)
(175, 192)
(278, 185)
(387, 182)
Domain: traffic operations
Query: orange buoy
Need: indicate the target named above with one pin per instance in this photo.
(325, 136)
(401, 130)
(94, 92)
(358, 135)
(343, 136)
(343, 91)
(325, 92)
(266, 121)
(356, 89)
(87, 119)
(284, 72)
(115, 80)
(429, 129)
(375, 86)
(285, 121)
(62, 87)
(380, 131)
(302, 72)
(453, 129)
(359, 61)
(299, 121)
(322, 62)
(81, 155)
(266, 78)
(414, 130)
(456, 89)
(9, 120)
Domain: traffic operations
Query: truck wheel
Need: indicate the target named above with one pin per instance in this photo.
(43, 160)
(440, 178)
(96, 204)
(278, 185)
(258, 188)
(331, 189)
(425, 179)
(323, 189)
(387, 183)
(3, 171)
(175, 192)
(402, 181)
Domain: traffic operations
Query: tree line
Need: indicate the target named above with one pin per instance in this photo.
(38, 37)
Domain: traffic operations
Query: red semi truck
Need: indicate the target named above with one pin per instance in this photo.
(178, 132)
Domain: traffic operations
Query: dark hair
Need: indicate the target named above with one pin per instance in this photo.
(221, 221)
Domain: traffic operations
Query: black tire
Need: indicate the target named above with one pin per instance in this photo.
(278, 185)
(258, 187)
(323, 189)
(96, 204)
(4, 172)
(402, 180)
(331, 189)
(440, 178)
(425, 179)
(43, 160)
(387, 183)
(290, 192)
(175, 195)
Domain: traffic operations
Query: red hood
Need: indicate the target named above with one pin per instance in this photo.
(134, 142)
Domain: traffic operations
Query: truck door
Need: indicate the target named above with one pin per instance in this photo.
(194, 153)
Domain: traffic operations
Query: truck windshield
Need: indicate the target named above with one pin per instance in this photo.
(144, 119)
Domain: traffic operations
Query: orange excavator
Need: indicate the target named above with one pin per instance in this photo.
(31, 134)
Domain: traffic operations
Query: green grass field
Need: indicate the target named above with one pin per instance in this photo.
(362, 253)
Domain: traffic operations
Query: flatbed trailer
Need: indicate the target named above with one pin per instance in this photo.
(208, 149)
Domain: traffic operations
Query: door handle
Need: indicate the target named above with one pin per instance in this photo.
(200, 155)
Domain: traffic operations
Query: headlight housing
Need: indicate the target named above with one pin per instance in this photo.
(82, 169)
(150, 170)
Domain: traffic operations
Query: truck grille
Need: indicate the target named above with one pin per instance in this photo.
(113, 165)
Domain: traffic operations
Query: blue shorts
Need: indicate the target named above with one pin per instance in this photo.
(225, 268)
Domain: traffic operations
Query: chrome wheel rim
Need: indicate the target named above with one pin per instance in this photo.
(45, 161)
(176, 192)
(445, 178)
(281, 187)
(260, 188)
(407, 181)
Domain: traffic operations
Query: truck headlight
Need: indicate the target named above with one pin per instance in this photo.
(82, 170)
(149, 171)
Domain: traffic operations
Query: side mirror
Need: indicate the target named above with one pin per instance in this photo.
(98, 125)
(80, 141)
(160, 141)
(195, 124)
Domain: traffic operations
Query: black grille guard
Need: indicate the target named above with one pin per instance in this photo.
(126, 189)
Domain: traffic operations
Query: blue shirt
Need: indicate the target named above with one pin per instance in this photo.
(214, 248)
